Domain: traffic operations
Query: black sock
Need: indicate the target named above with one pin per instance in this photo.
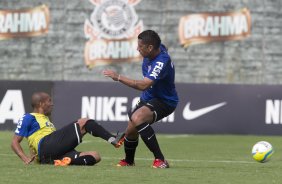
(129, 149)
(93, 128)
(84, 160)
(148, 136)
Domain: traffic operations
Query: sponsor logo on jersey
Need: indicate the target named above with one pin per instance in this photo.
(157, 70)
(112, 32)
(24, 23)
(208, 27)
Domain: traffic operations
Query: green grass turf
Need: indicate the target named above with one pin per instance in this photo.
(194, 159)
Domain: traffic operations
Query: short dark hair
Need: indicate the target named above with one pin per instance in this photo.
(150, 37)
(38, 97)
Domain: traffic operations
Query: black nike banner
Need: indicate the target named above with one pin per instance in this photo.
(203, 108)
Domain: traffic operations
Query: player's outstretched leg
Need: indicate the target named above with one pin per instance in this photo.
(93, 128)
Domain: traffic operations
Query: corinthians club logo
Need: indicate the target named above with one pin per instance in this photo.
(112, 32)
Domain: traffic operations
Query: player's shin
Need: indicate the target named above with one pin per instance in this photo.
(93, 128)
(148, 136)
(129, 149)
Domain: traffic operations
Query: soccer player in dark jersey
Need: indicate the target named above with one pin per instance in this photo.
(158, 98)
(50, 146)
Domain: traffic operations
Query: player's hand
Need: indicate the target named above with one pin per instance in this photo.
(29, 160)
(111, 74)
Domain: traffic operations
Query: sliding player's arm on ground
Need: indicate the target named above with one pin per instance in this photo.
(17, 148)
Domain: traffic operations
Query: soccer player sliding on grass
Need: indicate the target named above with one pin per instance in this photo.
(51, 146)
(158, 98)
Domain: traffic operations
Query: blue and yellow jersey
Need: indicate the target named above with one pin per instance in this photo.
(34, 127)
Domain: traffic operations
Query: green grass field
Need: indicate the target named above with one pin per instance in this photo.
(194, 159)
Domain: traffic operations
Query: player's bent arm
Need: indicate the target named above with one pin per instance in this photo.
(17, 148)
(136, 84)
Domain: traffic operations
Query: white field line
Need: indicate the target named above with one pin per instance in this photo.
(170, 160)
(186, 160)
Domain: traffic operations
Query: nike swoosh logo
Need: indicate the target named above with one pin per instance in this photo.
(150, 137)
(189, 114)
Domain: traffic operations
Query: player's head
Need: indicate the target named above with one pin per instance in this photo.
(148, 42)
(42, 102)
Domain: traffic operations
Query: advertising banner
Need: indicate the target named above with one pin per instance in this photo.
(229, 109)
(24, 22)
(15, 100)
(209, 27)
(106, 102)
(203, 108)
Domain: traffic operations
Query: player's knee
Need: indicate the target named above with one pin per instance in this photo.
(138, 119)
(96, 155)
(135, 119)
(81, 122)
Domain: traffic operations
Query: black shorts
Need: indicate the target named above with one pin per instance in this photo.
(159, 108)
(60, 143)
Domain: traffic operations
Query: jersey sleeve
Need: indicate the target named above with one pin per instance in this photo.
(24, 125)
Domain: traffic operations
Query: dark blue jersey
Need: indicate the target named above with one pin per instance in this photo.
(161, 71)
